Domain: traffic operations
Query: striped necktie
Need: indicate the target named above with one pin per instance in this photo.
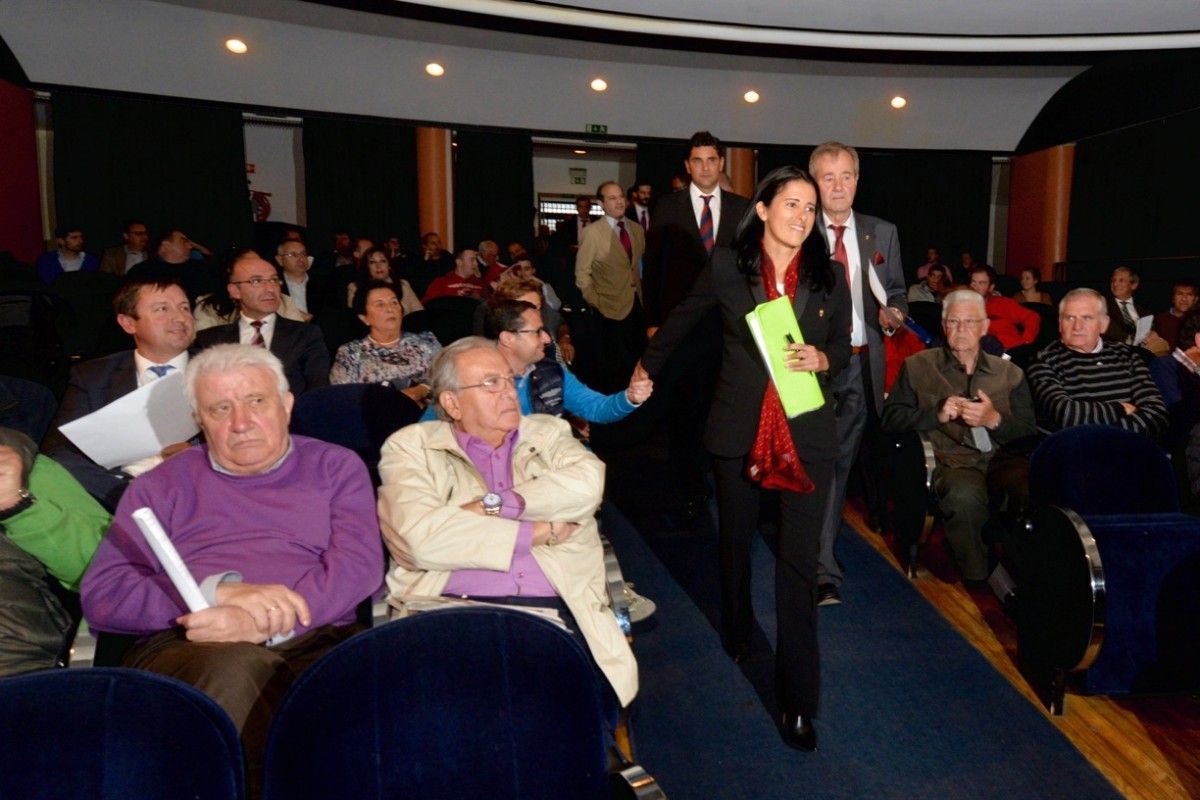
(258, 340)
(706, 225)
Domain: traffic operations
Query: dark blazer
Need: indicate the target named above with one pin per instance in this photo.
(320, 293)
(92, 385)
(298, 345)
(675, 254)
(879, 250)
(733, 420)
(1118, 331)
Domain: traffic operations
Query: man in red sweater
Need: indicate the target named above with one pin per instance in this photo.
(1009, 321)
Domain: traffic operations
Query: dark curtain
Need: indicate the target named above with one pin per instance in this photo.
(1133, 192)
(935, 199)
(493, 187)
(360, 176)
(658, 161)
(172, 164)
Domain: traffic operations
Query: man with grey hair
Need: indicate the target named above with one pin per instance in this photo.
(529, 538)
(970, 404)
(279, 530)
(1084, 380)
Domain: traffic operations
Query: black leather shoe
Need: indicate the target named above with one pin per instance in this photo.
(799, 733)
(828, 594)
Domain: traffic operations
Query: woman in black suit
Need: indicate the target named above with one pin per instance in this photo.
(754, 446)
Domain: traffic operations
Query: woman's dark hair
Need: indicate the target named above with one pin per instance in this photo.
(219, 301)
(364, 291)
(1035, 272)
(364, 270)
(747, 241)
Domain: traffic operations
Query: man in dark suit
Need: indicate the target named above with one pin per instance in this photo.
(1123, 311)
(131, 252)
(558, 268)
(254, 285)
(864, 246)
(686, 226)
(638, 209)
(310, 287)
(156, 313)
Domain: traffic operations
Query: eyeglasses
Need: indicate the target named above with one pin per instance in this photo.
(298, 254)
(538, 331)
(968, 324)
(493, 385)
(258, 281)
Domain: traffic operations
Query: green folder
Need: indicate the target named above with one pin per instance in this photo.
(771, 323)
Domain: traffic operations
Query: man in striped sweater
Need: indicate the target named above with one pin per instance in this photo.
(1083, 380)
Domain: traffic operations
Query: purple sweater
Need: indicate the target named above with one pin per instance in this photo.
(309, 524)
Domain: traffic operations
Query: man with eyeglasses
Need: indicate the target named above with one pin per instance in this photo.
(490, 505)
(1084, 380)
(133, 251)
(971, 405)
(307, 286)
(254, 284)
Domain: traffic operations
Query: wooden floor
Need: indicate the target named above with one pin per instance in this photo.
(1148, 747)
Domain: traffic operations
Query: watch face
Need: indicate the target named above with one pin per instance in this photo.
(492, 502)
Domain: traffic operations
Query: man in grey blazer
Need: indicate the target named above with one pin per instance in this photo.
(864, 245)
(255, 285)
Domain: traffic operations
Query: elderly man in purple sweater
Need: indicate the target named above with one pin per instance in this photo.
(280, 531)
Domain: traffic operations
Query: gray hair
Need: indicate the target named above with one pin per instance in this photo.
(443, 373)
(831, 149)
(963, 296)
(1074, 294)
(228, 357)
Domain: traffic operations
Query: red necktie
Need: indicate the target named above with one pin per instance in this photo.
(258, 340)
(626, 242)
(645, 220)
(706, 225)
(839, 252)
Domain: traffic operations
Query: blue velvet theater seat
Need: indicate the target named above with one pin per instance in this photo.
(463, 703)
(114, 734)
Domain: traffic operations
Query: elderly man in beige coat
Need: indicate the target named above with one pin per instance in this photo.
(487, 504)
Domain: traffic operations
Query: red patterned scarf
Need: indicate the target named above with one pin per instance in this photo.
(773, 460)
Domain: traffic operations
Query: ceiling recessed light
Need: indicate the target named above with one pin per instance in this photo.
(236, 46)
(581, 152)
(751, 96)
(899, 102)
(435, 69)
(599, 84)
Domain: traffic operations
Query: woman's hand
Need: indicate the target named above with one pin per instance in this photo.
(419, 394)
(805, 358)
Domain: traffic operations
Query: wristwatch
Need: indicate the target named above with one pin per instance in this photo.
(25, 499)
(492, 503)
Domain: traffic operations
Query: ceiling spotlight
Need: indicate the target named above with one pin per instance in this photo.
(236, 46)
(599, 85)
(899, 102)
(751, 96)
(580, 152)
(435, 69)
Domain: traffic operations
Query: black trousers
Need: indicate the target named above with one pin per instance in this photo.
(797, 657)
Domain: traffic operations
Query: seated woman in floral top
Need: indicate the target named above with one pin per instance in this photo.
(386, 355)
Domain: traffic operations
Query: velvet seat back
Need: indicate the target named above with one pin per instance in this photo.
(463, 703)
(114, 734)
(359, 416)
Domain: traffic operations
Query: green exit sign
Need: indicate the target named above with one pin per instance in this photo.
(593, 128)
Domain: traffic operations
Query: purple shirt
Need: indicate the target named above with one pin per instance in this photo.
(524, 577)
(308, 523)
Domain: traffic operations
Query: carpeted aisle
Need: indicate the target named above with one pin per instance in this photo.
(910, 710)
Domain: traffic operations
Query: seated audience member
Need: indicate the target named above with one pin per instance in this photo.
(934, 259)
(462, 281)
(219, 307)
(970, 404)
(931, 288)
(516, 284)
(49, 526)
(488, 504)
(386, 353)
(1123, 312)
(254, 285)
(378, 267)
(1166, 324)
(279, 531)
(1177, 377)
(1008, 321)
(1029, 291)
(175, 257)
(428, 265)
(133, 251)
(306, 286)
(68, 256)
(490, 265)
(157, 315)
(1083, 380)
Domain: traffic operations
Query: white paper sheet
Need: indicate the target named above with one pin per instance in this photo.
(135, 426)
(1143, 328)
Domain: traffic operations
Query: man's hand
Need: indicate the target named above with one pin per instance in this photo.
(1130, 408)
(566, 349)
(640, 388)
(222, 624)
(562, 532)
(419, 394)
(890, 318)
(982, 414)
(11, 469)
(274, 608)
(949, 409)
(653, 329)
